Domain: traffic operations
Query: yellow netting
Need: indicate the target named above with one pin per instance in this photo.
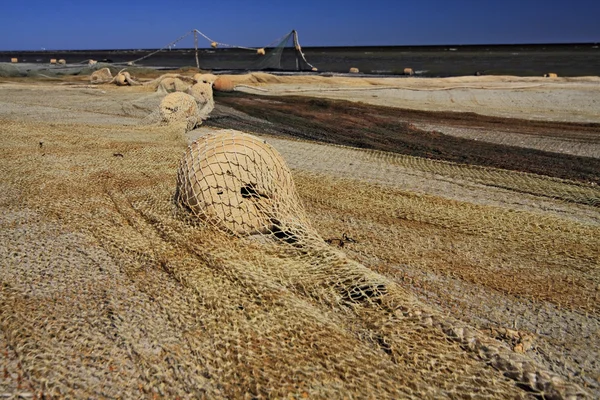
(110, 288)
(101, 76)
(170, 85)
(202, 92)
(239, 183)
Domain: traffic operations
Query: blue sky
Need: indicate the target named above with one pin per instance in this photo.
(106, 24)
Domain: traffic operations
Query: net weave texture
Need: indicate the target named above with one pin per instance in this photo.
(239, 183)
(136, 266)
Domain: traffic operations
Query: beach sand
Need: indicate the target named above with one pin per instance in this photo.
(104, 292)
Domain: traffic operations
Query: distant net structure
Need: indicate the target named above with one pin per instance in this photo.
(283, 54)
(286, 55)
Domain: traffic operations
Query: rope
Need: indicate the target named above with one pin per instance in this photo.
(214, 42)
(163, 48)
(224, 44)
(299, 49)
(279, 40)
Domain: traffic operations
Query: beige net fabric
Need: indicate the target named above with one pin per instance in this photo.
(109, 288)
(101, 76)
(170, 85)
(174, 102)
(123, 79)
(179, 108)
(205, 78)
(239, 183)
(203, 93)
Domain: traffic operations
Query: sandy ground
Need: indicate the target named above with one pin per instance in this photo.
(566, 337)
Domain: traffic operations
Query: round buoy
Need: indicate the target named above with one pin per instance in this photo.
(122, 78)
(223, 84)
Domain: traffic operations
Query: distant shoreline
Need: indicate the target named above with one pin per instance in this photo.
(564, 59)
(409, 47)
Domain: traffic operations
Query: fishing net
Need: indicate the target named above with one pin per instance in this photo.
(170, 85)
(239, 183)
(131, 272)
(285, 55)
(179, 107)
(101, 76)
(146, 107)
(206, 78)
(124, 78)
(202, 92)
(163, 107)
(50, 71)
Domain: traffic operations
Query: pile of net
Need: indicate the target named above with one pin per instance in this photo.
(240, 184)
(137, 267)
(13, 70)
(176, 99)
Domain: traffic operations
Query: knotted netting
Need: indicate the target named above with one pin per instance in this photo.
(110, 293)
(202, 92)
(174, 102)
(283, 54)
(239, 183)
(179, 107)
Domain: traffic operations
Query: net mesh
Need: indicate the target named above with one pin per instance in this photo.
(110, 288)
(170, 85)
(239, 183)
(202, 92)
(285, 55)
(8, 70)
(179, 107)
(174, 102)
(103, 75)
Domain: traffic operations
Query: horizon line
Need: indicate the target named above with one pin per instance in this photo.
(321, 46)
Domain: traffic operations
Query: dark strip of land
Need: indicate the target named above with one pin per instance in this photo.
(393, 130)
